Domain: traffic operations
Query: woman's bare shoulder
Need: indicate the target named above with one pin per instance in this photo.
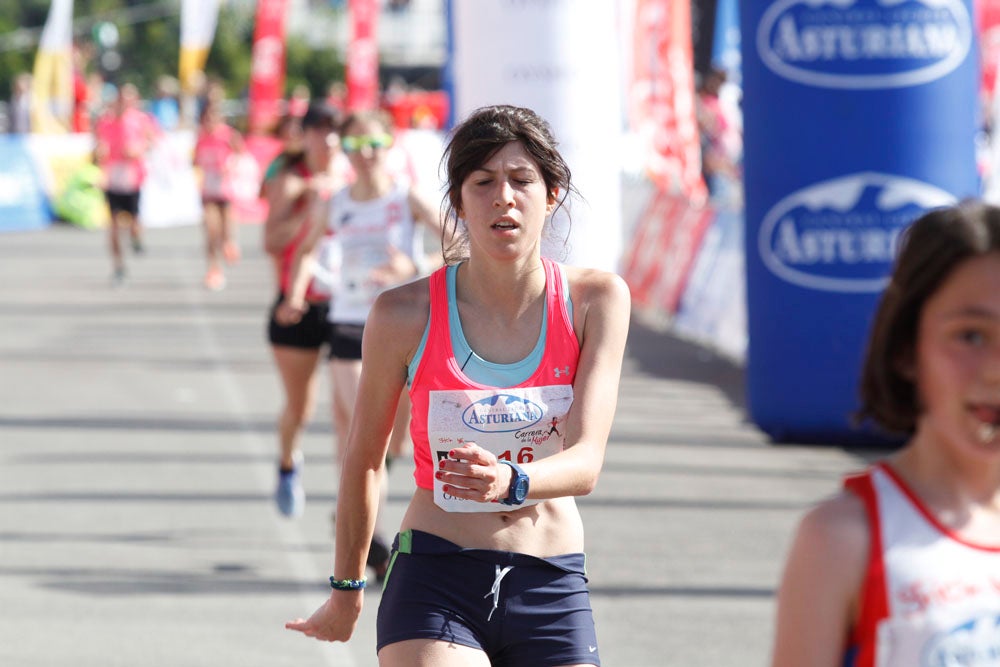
(837, 529)
(400, 314)
(595, 285)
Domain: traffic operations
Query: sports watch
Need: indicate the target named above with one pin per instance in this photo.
(518, 485)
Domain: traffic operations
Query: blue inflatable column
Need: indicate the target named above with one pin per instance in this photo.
(858, 117)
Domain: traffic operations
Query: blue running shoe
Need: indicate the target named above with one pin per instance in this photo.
(290, 496)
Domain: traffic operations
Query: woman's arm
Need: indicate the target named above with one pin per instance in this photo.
(392, 332)
(424, 212)
(602, 307)
(294, 304)
(281, 225)
(821, 584)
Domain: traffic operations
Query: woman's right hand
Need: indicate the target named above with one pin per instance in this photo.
(288, 313)
(335, 620)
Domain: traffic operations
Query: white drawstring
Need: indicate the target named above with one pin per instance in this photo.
(495, 590)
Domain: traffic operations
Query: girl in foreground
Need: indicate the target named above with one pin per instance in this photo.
(512, 364)
(903, 567)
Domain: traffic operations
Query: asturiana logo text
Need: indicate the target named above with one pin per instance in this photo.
(842, 235)
(502, 413)
(864, 44)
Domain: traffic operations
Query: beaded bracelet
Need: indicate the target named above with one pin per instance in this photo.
(347, 584)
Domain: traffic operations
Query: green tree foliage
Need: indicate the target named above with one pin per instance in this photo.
(316, 68)
(15, 15)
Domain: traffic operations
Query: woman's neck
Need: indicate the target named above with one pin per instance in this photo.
(507, 289)
(371, 186)
(934, 470)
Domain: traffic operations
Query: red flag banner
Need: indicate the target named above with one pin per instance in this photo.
(362, 56)
(988, 19)
(267, 68)
(663, 250)
(662, 96)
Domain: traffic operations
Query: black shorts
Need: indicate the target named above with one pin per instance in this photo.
(309, 333)
(345, 341)
(127, 202)
(518, 609)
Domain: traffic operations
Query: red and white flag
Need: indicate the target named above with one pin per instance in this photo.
(362, 56)
(988, 24)
(662, 96)
(267, 68)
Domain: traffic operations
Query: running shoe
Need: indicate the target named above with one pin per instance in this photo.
(290, 496)
(215, 280)
(137, 246)
(118, 277)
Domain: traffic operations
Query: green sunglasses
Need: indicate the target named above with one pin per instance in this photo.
(356, 143)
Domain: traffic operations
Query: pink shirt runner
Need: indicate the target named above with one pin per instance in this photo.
(212, 153)
(126, 139)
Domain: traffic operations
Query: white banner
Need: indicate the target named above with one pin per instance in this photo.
(170, 194)
(198, 21)
(560, 69)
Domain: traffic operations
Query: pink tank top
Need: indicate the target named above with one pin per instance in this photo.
(212, 154)
(127, 139)
(929, 597)
(520, 423)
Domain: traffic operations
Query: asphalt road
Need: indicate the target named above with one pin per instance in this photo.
(137, 463)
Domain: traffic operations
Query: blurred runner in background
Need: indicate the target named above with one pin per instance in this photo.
(123, 136)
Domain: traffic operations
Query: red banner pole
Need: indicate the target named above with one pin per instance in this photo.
(267, 69)
(362, 56)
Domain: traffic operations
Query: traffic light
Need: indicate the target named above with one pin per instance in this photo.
(105, 35)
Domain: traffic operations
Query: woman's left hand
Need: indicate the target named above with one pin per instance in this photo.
(335, 620)
(474, 473)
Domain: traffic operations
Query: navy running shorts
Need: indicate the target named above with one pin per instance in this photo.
(309, 333)
(123, 201)
(519, 609)
(345, 341)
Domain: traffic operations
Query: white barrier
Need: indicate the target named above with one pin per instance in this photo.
(170, 195)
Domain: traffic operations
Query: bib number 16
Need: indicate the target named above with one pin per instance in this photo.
(526, 455)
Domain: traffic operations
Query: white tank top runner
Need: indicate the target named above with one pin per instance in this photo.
(360, 235)
(943, 593)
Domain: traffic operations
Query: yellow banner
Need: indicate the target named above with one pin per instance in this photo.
(52, 78)
(198, 21)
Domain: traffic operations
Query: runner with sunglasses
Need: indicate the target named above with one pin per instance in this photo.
(374, 243)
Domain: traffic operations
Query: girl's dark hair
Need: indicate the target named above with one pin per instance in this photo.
(932, 247)
(477, 139)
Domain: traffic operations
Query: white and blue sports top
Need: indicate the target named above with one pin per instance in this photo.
(474, 366)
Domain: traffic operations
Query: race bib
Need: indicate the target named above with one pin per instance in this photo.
(123, 176)
(213, 184)
(360, 257)
(520, 425)
(326, 269)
